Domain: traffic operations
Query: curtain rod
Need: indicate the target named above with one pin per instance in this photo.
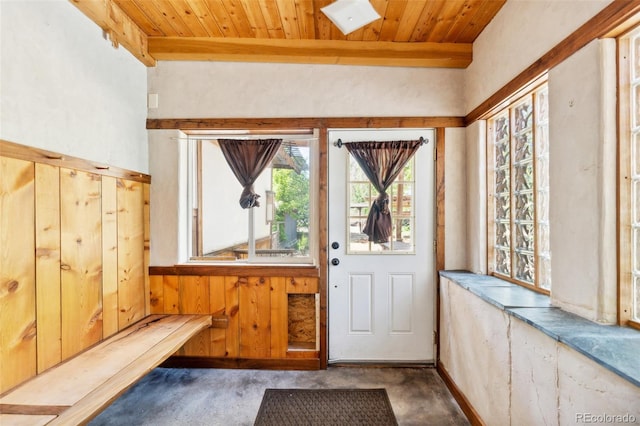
(339, 142)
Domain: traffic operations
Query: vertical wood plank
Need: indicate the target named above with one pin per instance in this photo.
(146, 188)
(279, 318)
(255, 317)
(156, 294)
(109, 257)
(131, 285)
(323, 242)
(302, 285)
(194, 299)
(17, 273)
(170, 294)
(81, 260)
(47, 216)
(216, 307)
(232, 303)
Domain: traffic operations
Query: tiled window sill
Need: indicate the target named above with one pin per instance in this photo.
(615, 348)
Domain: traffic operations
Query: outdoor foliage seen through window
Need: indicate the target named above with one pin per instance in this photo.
(279, 227)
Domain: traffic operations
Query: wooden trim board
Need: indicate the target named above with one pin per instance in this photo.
(37, 155)
(187, 124)
(463, 402)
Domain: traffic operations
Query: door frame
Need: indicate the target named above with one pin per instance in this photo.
(439, 124)
(324, 215)
(424, 281)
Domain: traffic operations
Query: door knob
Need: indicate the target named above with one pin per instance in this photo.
(335, 261)
(335, 245)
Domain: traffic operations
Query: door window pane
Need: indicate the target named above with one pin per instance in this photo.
(401, 204)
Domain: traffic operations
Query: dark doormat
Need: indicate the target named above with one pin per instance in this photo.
(325, 407)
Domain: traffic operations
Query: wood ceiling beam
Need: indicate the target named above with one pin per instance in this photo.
(439, 55)
(120, 28)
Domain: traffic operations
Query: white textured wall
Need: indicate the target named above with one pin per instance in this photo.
(476, 206)
(512, 373)
(521, 32)
(582, 171)
(534, 376)
(167, 163)
(475, 352)
(235, 89)
(455, 201)
(246, 90)
(65, 89)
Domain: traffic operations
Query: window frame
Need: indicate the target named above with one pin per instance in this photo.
(626, 292)
(530, 90)
(195, 191)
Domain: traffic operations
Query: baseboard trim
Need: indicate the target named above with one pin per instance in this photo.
(472, 415)
(242, 363)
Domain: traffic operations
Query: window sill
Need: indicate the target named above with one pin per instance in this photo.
(203, 268)
(613, 347)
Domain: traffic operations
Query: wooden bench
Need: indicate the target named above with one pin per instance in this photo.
(76, 390)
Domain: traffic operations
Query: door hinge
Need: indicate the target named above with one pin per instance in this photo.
(435, 246)
(435, 337)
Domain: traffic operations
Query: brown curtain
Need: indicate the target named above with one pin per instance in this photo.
(247, 159)
(381, 162)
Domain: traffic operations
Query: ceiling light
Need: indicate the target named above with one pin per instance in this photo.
(349, 15)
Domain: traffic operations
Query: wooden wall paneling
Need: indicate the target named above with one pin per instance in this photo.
(217, 309)
(194, 299)
(17, 273)
(156, 294)
(255, 317)
(302, 285)
(109, 257)
(131, 283)
(146, 188)
(232, 307)
(81, 260)
(47, 225)
(279, 308)
(170, 294)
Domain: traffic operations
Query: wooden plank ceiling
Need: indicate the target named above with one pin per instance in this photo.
(428, 33)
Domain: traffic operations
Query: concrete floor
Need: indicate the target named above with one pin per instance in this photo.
(232, 397)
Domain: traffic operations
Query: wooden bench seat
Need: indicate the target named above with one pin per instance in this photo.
(76, 390)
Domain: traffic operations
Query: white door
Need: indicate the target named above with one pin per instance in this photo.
(381, 297)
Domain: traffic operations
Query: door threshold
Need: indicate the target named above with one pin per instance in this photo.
(381, 364)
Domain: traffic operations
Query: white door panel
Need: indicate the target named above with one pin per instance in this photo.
(381, 304)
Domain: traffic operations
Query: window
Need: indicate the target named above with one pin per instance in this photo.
(629, 186)
(282, 229)
(401, 204)
(518, 189)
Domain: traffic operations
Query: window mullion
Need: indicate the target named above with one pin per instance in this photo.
(534, 197)
(512, 209)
